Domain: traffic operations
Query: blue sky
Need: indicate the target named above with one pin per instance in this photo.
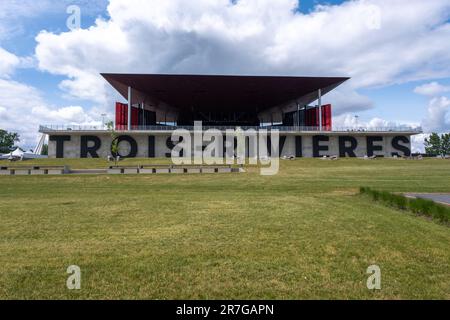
(22, 43)
(58, 68)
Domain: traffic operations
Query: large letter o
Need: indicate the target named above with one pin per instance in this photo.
(133, 147)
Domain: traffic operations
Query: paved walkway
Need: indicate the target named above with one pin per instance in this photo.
(436, 197)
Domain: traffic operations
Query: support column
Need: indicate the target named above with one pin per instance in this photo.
(129, 108)
(320, 109)
(143, 122)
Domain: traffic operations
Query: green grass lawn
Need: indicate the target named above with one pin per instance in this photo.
(304, 233)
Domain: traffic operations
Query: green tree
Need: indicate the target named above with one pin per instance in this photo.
(445, 144)
(436, 145)
(7, 140)
(433, 144)
(114, 141)
(44, 151)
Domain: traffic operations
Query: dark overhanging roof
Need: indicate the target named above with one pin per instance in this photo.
(220, 92)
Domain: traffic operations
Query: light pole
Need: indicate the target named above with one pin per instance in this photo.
(356, 121)
(103, 120)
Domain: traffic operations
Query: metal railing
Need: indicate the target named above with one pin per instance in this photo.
(68, 128)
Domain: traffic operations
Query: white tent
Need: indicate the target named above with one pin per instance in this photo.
(23, 155)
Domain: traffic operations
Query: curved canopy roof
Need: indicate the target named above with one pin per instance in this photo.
(220, 92)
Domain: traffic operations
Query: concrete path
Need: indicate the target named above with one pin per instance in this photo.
(436, 197)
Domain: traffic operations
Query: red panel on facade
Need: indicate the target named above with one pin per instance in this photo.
(118, 113)
(122, 112)
(326, 117)
(312, 117)
(121, 116)
(134, 117)
(124, 117)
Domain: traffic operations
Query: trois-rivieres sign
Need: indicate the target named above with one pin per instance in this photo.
(227, 144)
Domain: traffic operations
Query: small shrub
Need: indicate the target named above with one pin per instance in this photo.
(440, 213)
(421, 206)
(386, 197)
(399, 201)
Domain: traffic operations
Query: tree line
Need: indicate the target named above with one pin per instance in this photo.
(438, 145)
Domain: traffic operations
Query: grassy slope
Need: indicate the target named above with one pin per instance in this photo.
(301, 234)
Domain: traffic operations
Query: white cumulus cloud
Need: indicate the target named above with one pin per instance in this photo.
(351, 121)
(432, 89)
(438, 109)
(417, 142)
(437, 119)
(8, 63)
(376, 42)
(23, 109)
